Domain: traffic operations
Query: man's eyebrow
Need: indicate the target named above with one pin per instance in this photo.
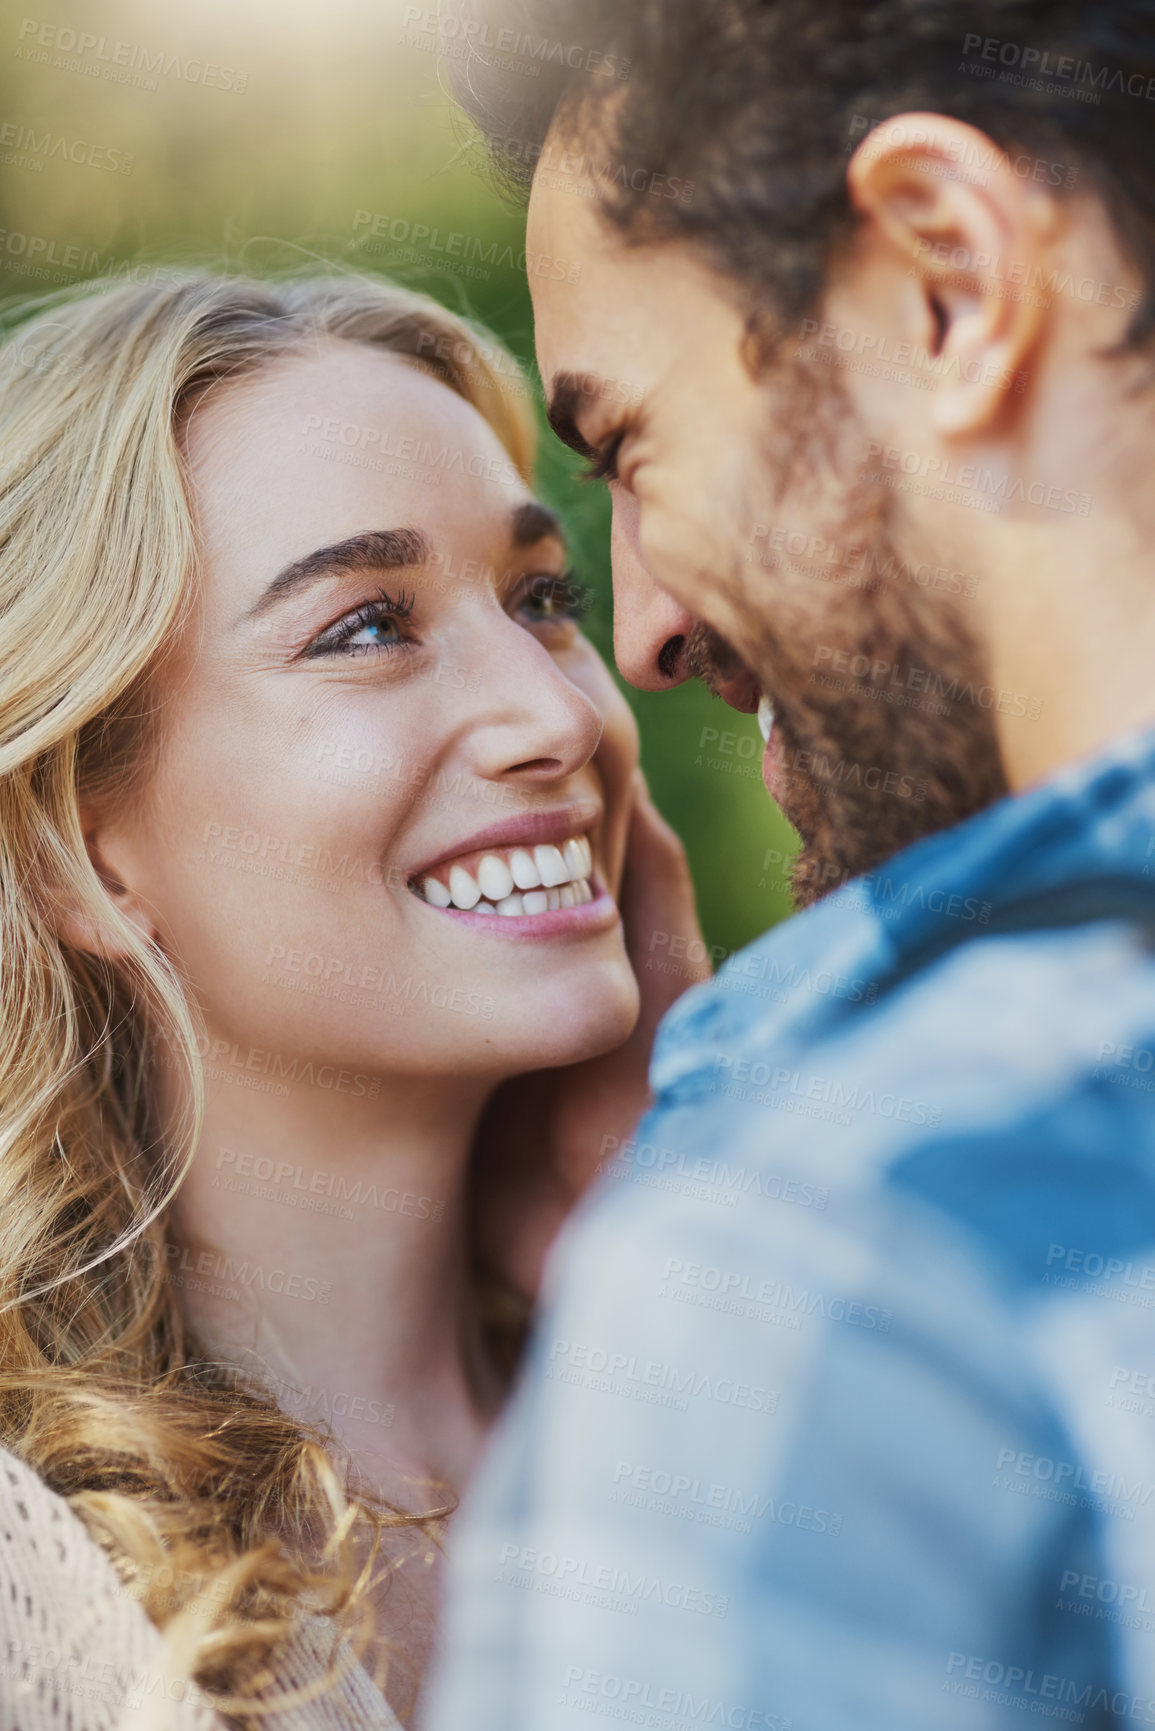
(533, 522)
(372, 550)
(568, 390)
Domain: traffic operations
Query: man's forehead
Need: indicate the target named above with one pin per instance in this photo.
(564, 256)
(563, 215)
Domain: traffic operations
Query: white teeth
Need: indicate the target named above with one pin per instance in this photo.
(524, 868)
(549, 878)
(495, 878)
(551, 865)
(765, 718)
(463, 892)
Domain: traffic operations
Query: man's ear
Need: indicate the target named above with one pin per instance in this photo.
(88, 928)
(967, 228)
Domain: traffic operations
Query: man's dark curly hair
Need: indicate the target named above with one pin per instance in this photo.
(757, 104)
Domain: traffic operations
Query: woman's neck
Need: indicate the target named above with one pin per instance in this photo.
(319, 1244)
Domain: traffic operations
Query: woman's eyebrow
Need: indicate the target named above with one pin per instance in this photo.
(372, 550)
(533, 522)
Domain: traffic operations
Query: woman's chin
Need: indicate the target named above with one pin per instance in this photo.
(573, 1026)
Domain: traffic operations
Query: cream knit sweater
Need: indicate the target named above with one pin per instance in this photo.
(78, 1653)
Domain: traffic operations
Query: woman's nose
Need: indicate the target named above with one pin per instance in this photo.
(530, 724)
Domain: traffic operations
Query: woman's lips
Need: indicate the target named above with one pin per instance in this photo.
(600, 913)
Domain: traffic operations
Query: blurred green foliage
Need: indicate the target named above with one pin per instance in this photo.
(251, 133)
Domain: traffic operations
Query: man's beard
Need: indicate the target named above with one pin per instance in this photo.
(883, 716)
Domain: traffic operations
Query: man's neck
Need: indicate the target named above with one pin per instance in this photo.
(1071, 643)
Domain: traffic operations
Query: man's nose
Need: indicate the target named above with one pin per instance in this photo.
(651, 629)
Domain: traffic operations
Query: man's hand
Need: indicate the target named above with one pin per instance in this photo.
(544, 1135)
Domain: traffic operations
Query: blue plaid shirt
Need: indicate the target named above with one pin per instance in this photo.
(841, 1411)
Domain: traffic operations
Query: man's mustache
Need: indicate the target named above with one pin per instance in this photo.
(709, 657)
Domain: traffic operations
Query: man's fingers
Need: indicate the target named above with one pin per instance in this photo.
(657, 900)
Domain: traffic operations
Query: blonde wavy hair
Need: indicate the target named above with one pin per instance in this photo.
(205, 1494)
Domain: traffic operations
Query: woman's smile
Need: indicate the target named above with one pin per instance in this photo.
(533, 876)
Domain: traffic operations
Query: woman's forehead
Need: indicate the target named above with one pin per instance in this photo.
(356, 395)
(347, 429)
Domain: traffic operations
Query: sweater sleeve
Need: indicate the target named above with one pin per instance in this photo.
(79, 1653)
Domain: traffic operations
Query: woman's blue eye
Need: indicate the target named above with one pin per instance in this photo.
(376, 634)
(371, 629)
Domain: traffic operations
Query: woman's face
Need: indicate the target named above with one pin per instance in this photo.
(380, 725)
